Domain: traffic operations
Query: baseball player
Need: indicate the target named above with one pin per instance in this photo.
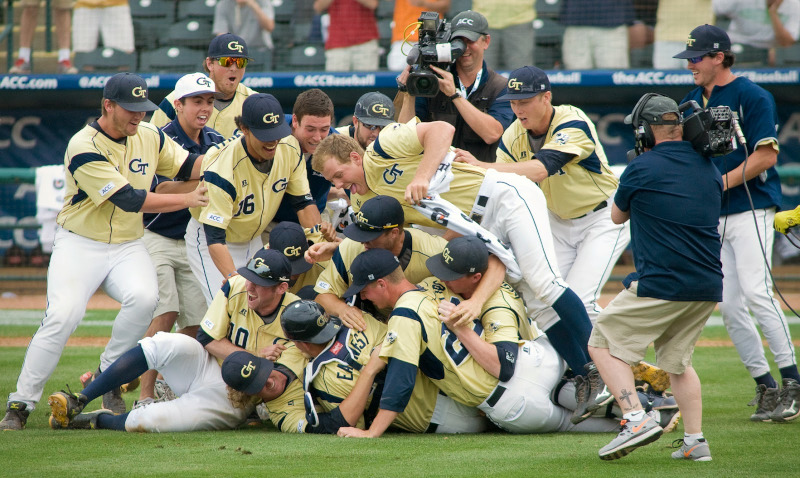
(247, 177)
(290, 239)
(374, 111)
(558, 148)
(245, 315)
(344, 364)
(110, 165)
(164, 232)
(225, 64)
(473, 372)
(747, 282)
(401, 163)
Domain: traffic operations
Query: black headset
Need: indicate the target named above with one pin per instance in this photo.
(642, 131)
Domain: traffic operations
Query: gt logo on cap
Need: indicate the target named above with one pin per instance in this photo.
(259, 262)
(139, 92)
(204, 82)
(271, 118)
(690, 41)
(446, 256)
(248, 369)
(514, 84)
(234, 45)
(292, 251)
(321, 321)
(380, 109)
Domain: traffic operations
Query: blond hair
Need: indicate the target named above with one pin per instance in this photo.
(239, 399)
(338, 146)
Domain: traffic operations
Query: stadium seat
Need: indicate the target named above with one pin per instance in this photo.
(105, 60)
(301, 32)
(261, 60)
(548, 32)
(546, 56)
(385, 9)
(164, 9)
(307, 57)
(749, 56)
(548, 9)
(172, 60)
(788, 56)
(197, 9)
(147, 32)
(189, 33)
(282, 34)
(284, 10)
(385, 30)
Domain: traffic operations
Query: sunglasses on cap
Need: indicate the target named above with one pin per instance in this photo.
(262, 270)
(698, 59)
(227, 61)
(365, 226)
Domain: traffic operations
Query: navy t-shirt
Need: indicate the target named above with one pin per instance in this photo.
(173, 224)
(759, 121)
(673, 195)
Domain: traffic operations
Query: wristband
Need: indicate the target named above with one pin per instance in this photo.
(454, 96)
(401, 87)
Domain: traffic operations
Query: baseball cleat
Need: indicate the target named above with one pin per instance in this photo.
(647, 372)
(788, 407)
(86, 379)
(668, 419)
(765, 401)
(130, 386)
(698, 451)
(83, 421)
(64, 406)
(590, 393)
(16, 416)
(631, 436)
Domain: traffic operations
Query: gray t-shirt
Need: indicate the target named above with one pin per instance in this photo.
(240, 20)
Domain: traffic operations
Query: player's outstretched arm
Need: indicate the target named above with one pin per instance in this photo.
(352, 317)
(533, 169)
(354, 405)
(221, 348)
(156, 202)
(309, 216)
(435, 138)
(176, 187)
(491, 280)
(222, 259)
(483, 352)
(383, 419)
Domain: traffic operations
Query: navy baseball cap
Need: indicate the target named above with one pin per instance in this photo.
(470, 25)
(369, 266)
(526, 82)
(290, 239)
(375, 109)
(703, 40)
(377, 215)
(267, 268)
(263, 116)
(227, 44)
(128, 90)
(461, 256)
(245, 372)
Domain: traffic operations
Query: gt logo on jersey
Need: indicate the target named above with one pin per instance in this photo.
(514, 84)
(137, 166)
(280, 185)
(292, 251)
(247, 370)
(378, 108)
(561, 138)
(234, 45)
(390, 175)
(271, 118)
(139, 92)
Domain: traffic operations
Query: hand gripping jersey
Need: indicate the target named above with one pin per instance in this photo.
(584, 181)
(97, 167)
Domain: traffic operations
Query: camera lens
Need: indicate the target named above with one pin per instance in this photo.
(424, 83)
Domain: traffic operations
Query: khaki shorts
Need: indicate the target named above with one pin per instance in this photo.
(57, 4)
(630, 323)
(178, 288)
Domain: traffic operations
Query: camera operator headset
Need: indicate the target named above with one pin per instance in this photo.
(752, 195)
(447, 80)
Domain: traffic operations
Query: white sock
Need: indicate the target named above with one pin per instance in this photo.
(692, 438)
(63, 54)
(636, 416)
(25, 54)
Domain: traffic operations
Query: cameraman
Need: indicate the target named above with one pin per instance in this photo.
(677, 282)
(468, 92)
(748, 283)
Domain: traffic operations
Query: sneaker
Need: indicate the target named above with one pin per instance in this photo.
(631, 436)
(654, 376)
(788, 402)
(696, 452)
(83, 421)
(590, 394)
(86, 379)
(16, 416)
(21, 67)
(65, 68)
(143, 402)
(112, 400)
(668, 419)
(65, 405)
(163, 392)
(657, 400)
(765, 401)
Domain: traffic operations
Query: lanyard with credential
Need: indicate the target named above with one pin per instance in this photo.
(463, 90)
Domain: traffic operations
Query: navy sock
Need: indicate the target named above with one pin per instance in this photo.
(766, 380)
(790, 372)
(108, 421)
(126, 368)
(572, 312)
(564, 341)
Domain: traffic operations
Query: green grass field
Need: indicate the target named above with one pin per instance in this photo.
(739, 447)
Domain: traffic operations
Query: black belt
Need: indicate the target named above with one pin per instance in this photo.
(495, 396)
(596, 208)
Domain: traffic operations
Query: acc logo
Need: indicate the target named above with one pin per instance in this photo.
(380, 109)
(292, 251)
(108, 187)
(446, 256)
(139, 92)
(234, 45)
(464, 21)
(390, 175)
(271, 118)
(561, 138)
(203, 81)
(391, 336)
(137, 166)
(216, 218)
(514, 84)
(280, 185)
(248, 369)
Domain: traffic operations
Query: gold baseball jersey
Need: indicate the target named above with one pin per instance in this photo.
(345, 130)
(287, 412)
(391, 161)
(417, 337)
(581, 184)
(358, 200)
(310, 277)
(97, 167)
(221, 120)
(336, 278)
(243, 200)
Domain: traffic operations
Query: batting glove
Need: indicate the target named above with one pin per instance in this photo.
(786, 219)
